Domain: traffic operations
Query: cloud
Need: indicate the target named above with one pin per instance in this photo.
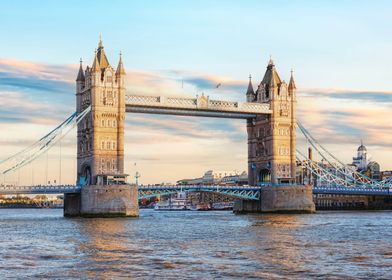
(373, 96)
(339, 120)
(37, 76)
(200, 82)
(36, 97)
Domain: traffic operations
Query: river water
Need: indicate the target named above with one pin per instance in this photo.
(40, 243)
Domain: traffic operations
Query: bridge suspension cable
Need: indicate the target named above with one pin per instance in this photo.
(332, 179)
(32, 152)
(356, 178)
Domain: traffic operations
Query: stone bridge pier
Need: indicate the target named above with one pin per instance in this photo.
(279, 199)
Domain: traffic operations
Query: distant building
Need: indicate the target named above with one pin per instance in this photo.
(360, 161)
(373, 171)
(363, 165)
(212, 177)
(386, 174)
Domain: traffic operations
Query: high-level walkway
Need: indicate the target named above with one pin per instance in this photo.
(200, 106)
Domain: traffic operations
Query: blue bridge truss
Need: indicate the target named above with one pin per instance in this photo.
(249, 193)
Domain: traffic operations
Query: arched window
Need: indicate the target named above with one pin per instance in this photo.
(103, 123)
(114, 123)
(114, 145)
(109, 123)
(108, 145)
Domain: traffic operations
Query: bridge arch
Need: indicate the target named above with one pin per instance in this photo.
(264, 176)
(86, 176)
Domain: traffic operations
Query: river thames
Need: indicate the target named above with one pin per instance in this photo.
(40, 243)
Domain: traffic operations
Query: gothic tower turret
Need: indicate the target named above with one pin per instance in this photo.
(100, 133)
(250, 93)
(271, 138)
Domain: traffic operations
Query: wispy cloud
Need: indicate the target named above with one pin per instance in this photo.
(373, 96)
(35, 97)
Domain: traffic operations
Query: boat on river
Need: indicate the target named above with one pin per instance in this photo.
(178, 203)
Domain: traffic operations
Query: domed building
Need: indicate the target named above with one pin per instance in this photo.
(362, 164)
(360, 161)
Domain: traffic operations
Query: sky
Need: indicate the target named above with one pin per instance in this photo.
(340, 52)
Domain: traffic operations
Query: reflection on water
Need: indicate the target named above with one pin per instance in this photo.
(40, 243)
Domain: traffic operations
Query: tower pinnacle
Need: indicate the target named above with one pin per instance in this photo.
(270, 62)
(120, 68)
(80, 77)
(292, 83)
(100, 44)
(102, 59)
(250, 94)
(95, 67)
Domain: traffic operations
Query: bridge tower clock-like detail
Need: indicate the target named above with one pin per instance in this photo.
(100, 149)
(271, 138)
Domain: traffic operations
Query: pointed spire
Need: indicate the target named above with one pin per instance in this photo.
(292, 83)
(271, 62)
(120, 68)
(80, 77)
(100, 44)
(250, 87)
(102, 59)
(271, 77)
(95, 67)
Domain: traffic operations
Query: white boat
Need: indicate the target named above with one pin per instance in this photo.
(173, 204)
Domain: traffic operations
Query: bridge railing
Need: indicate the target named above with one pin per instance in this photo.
(8, 189)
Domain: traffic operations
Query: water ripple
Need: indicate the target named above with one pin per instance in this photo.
(41, 244)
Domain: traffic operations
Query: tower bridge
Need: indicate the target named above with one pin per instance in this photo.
(269, 112)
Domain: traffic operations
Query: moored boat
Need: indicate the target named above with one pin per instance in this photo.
(173, 204)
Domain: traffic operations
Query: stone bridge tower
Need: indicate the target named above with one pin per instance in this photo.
(100, 134)
(271, 138)
(100, 144)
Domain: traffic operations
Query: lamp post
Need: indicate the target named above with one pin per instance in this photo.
(137, 175)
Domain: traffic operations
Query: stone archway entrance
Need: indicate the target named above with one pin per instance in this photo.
(85, 179)
(264, 176)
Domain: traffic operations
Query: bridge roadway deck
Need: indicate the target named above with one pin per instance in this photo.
(39, 189)
(245, 192)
